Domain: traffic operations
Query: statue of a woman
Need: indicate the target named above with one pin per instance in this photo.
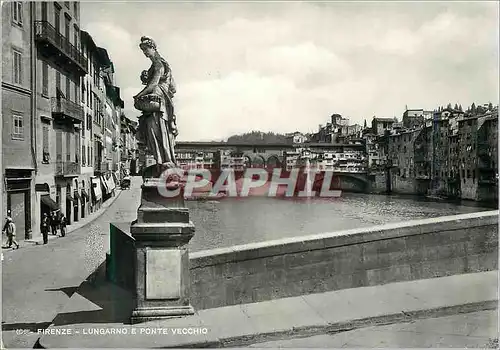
(157, 128)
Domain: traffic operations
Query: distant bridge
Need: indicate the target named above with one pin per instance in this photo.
(271, 154)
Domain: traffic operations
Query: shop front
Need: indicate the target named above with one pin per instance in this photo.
(18, 188)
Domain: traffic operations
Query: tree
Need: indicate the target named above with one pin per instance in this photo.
(460, 108)
(257, 137)
(449, 106)
(473, 108)
(365, 124)
(456, 107)
(490, 106)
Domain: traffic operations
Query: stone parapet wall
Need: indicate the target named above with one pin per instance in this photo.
(355, 258)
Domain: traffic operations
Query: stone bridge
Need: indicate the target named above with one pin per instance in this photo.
(273, 156)
(267, 155)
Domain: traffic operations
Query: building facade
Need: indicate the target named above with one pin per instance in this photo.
(401, 153)
(381, 125)
(128, 145)
(18, 114)
(103, 106)
(60, 67)
(47, 133)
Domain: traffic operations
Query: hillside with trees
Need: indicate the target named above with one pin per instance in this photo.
(257, 137)
(473, 110)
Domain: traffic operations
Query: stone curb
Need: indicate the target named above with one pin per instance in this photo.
(332, 328)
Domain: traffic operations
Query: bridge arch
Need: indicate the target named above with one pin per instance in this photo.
(248, 161)
(273, 161)
(259, 161)
(352, 182)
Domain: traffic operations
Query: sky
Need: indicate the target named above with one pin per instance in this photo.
(288, 66)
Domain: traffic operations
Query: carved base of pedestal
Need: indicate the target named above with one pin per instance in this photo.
(161, 232)
(160, 313)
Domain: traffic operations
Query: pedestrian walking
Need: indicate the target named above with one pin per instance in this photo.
(11, 233)
(44, 228)
(62, 225)
(6, 222)
(53, 223)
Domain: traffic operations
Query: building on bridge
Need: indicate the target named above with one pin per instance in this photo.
(195, 159)
(343, 157)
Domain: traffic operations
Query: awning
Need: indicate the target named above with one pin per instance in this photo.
(96, 188)
(85, 196)
(68, 197)
(42, 187)
(110, 183)
(115, 178)
(104, 185)
(49, 202)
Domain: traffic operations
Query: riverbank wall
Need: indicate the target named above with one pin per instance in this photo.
(296, 266)
(453, 188)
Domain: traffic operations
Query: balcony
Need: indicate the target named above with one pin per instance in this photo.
(67, 169)
(66, 109)
(58, 47)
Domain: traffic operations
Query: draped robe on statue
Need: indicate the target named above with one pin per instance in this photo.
(157, 130)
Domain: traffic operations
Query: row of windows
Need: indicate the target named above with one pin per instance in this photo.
(17, 17)
(18, 134)
(69, 85)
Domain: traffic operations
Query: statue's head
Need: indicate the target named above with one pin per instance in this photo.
(148, 46)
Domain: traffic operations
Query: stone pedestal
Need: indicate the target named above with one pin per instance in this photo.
(161, 232)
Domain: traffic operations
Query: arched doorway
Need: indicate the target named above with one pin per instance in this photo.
(75, 205)
(84, 202)
(69, 204)
(76, 202)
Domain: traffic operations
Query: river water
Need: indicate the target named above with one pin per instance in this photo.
(234, 221)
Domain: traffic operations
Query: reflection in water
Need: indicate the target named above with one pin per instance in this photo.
(234, 221)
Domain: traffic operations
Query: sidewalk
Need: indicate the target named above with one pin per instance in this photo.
(70, 228)
(97, 316)
(471, 330)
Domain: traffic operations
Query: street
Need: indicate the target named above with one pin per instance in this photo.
(38, 280)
